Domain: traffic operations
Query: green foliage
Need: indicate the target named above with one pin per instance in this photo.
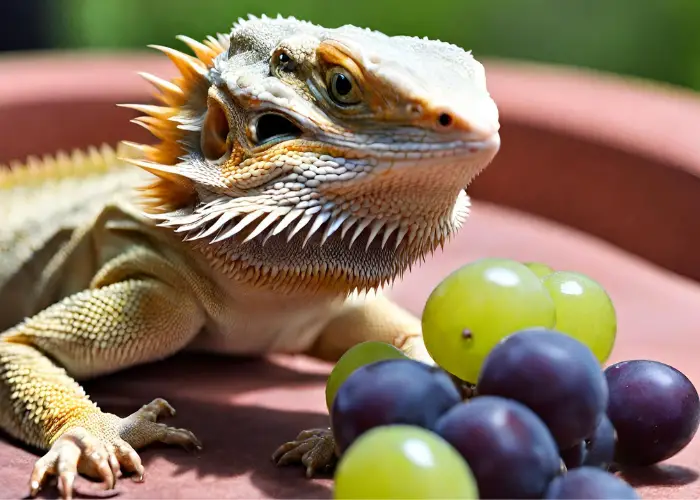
(657, 39)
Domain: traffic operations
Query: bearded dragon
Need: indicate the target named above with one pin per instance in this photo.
(294, 168)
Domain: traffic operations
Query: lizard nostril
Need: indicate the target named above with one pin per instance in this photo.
(445, 119)
(415, 110)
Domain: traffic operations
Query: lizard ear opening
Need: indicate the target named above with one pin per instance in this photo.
(214, 140)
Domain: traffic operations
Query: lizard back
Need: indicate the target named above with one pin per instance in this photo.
(42, 202)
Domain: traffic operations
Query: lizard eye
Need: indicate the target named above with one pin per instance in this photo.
(281, 62)
(285, 63)
(342, 87)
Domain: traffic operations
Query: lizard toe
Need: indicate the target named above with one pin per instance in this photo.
(43, 468)
(140, 432)
(76, 451)
(314, 449)
(154, 410)
(309, 433)
(181, 437)
(128, 458)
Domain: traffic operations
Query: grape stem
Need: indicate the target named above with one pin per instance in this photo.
(466, 390)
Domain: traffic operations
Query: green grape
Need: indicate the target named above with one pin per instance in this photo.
(403, 461)
(478, 305)
(359, 355)
(584, 311)
(541, 270)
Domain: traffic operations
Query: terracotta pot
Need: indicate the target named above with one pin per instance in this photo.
(595, 174)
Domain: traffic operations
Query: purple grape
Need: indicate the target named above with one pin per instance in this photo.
(393, 391)
(600, 448)
(508, 448)
(590, 483)
(654, 408)
(553, 374)
(596, 451)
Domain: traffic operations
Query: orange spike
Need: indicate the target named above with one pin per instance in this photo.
(203, 52)
(164, 172)
(165, 195)
(160, 112)
(214, 43)
(170, 94)
(155, 168)
(156, 127)
(148, 151)
(177, 97)
(189, 66)
(166, 153)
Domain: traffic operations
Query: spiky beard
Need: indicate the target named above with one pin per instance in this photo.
(318, 249)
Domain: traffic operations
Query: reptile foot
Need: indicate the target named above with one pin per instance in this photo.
(141, 428)
(80, 451)
(314, 448)
(106, 445)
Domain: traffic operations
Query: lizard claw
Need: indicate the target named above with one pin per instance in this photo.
(108, 447)
(313, 448)
(78, 450)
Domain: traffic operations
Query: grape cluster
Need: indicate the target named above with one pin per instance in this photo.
(543, 418)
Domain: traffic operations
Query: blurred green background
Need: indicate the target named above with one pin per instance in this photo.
(656, 39)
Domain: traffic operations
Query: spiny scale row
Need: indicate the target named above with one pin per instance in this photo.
(226, 223)
(59, 166)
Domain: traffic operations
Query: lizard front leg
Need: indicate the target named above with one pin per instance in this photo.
(374, 318)
(100, 330)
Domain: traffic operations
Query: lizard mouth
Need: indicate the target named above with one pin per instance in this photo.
(395, 147)
(272, 128)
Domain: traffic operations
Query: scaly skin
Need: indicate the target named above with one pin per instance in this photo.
(296, 165)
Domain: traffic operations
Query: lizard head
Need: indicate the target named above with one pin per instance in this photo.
(324, 159)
